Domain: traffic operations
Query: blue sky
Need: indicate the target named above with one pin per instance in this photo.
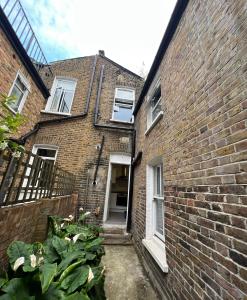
(128, 30)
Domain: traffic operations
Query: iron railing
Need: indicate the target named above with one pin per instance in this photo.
(30, 177)
(17, 17)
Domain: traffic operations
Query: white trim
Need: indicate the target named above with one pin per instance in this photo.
(120, 159)
(155, 121)
(116, 120)
(55, 113)
(45, 146)
(158, 251)
(154, 244)
(23, 100)
(53, 90)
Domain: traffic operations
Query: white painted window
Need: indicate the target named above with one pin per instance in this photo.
(155, 236)
(62, 95)
(154, 110)
(19, 92)
(123, 105)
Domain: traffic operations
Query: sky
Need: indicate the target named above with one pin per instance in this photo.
(129, 31)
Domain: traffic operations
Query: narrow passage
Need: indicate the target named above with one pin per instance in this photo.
(125, 277)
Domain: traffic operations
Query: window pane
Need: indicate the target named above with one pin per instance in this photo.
(46, 152)
(123, 114)
(56, 99)
(66, 101)
(158, 180)
(159, 211)
(125, 94)
(18, 95)
(156, 96)
(156, 111)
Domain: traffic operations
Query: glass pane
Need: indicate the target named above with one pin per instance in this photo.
(156, 96)
(66, 101)
(156, 111)
(56, 100)
(159, 226)
(124, 101)
(46, 152)
(123, 114)
(125, 94)
(158, 180)
(68, 85)
(18, 94)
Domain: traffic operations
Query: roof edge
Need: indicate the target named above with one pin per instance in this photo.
(165, 42)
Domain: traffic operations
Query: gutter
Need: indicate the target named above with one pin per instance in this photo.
(165, 42)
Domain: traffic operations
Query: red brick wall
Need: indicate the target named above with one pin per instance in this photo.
(10, 64)
(202, 139)
(28, 222)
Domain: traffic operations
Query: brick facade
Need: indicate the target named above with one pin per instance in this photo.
(202, 141)
(77, 139)
(10, 64)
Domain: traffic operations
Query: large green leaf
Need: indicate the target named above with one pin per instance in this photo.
(18, 249)
(76, 279)
(94, 244)
(77, 296)
(3, 281)
(60, 245)
(17, 289)
(53, 293)
(70, 269)
(50, 253)
(47, 273)
(69, 258)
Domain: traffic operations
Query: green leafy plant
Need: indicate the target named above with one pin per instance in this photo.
(9, 125)
(66, 266)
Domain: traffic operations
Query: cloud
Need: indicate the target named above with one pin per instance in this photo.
(129, 31)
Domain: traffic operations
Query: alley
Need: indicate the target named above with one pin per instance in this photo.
(125, 277)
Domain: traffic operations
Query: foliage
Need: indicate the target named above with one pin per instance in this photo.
(9, 124)
(66, 266)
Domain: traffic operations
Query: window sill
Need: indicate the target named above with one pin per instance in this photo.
(55, 113)
(123, 122)
(157, 249)
(155, 121)
(11, 109)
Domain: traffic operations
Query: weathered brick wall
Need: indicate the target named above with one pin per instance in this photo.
(202, 139)
(78, 139)
(28, 222)
(10, 64)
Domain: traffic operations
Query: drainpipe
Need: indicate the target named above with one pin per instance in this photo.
(98, 160)
(131, 183)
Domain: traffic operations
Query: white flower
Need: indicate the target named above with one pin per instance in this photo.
(103, 270)
(3, 145)
(40, 260)
(71, 217)
(75, 238)
(67, 239)
(16, 154)
(4, 128)
(20, 261)
(81, 209)
(90, 275)
(62, 225)
(66, 220)
(87, 213)
(33, 259)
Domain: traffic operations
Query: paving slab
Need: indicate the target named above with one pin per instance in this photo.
(125, 278)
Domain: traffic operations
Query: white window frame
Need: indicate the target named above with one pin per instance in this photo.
(47, 147)
(25, 82)
(150, 121)
(53, 90)
(154, 241)
(114, 105)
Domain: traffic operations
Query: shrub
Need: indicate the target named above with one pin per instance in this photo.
(66, 266)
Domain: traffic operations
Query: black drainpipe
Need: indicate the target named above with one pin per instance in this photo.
(22, 139)
(98, 160)
(131, 182)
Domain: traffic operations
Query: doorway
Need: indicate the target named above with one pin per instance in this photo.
(117, 192)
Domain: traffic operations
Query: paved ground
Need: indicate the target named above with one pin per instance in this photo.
(125, 279)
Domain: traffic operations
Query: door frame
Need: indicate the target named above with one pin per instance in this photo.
(120, 159)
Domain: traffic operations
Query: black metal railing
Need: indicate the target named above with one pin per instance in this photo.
(17, 17)
(30, 177)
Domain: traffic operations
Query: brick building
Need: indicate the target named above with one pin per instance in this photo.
(189, 201)
(175, 173)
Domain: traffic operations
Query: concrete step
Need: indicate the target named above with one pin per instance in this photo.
(117, 238)
(114, 230)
